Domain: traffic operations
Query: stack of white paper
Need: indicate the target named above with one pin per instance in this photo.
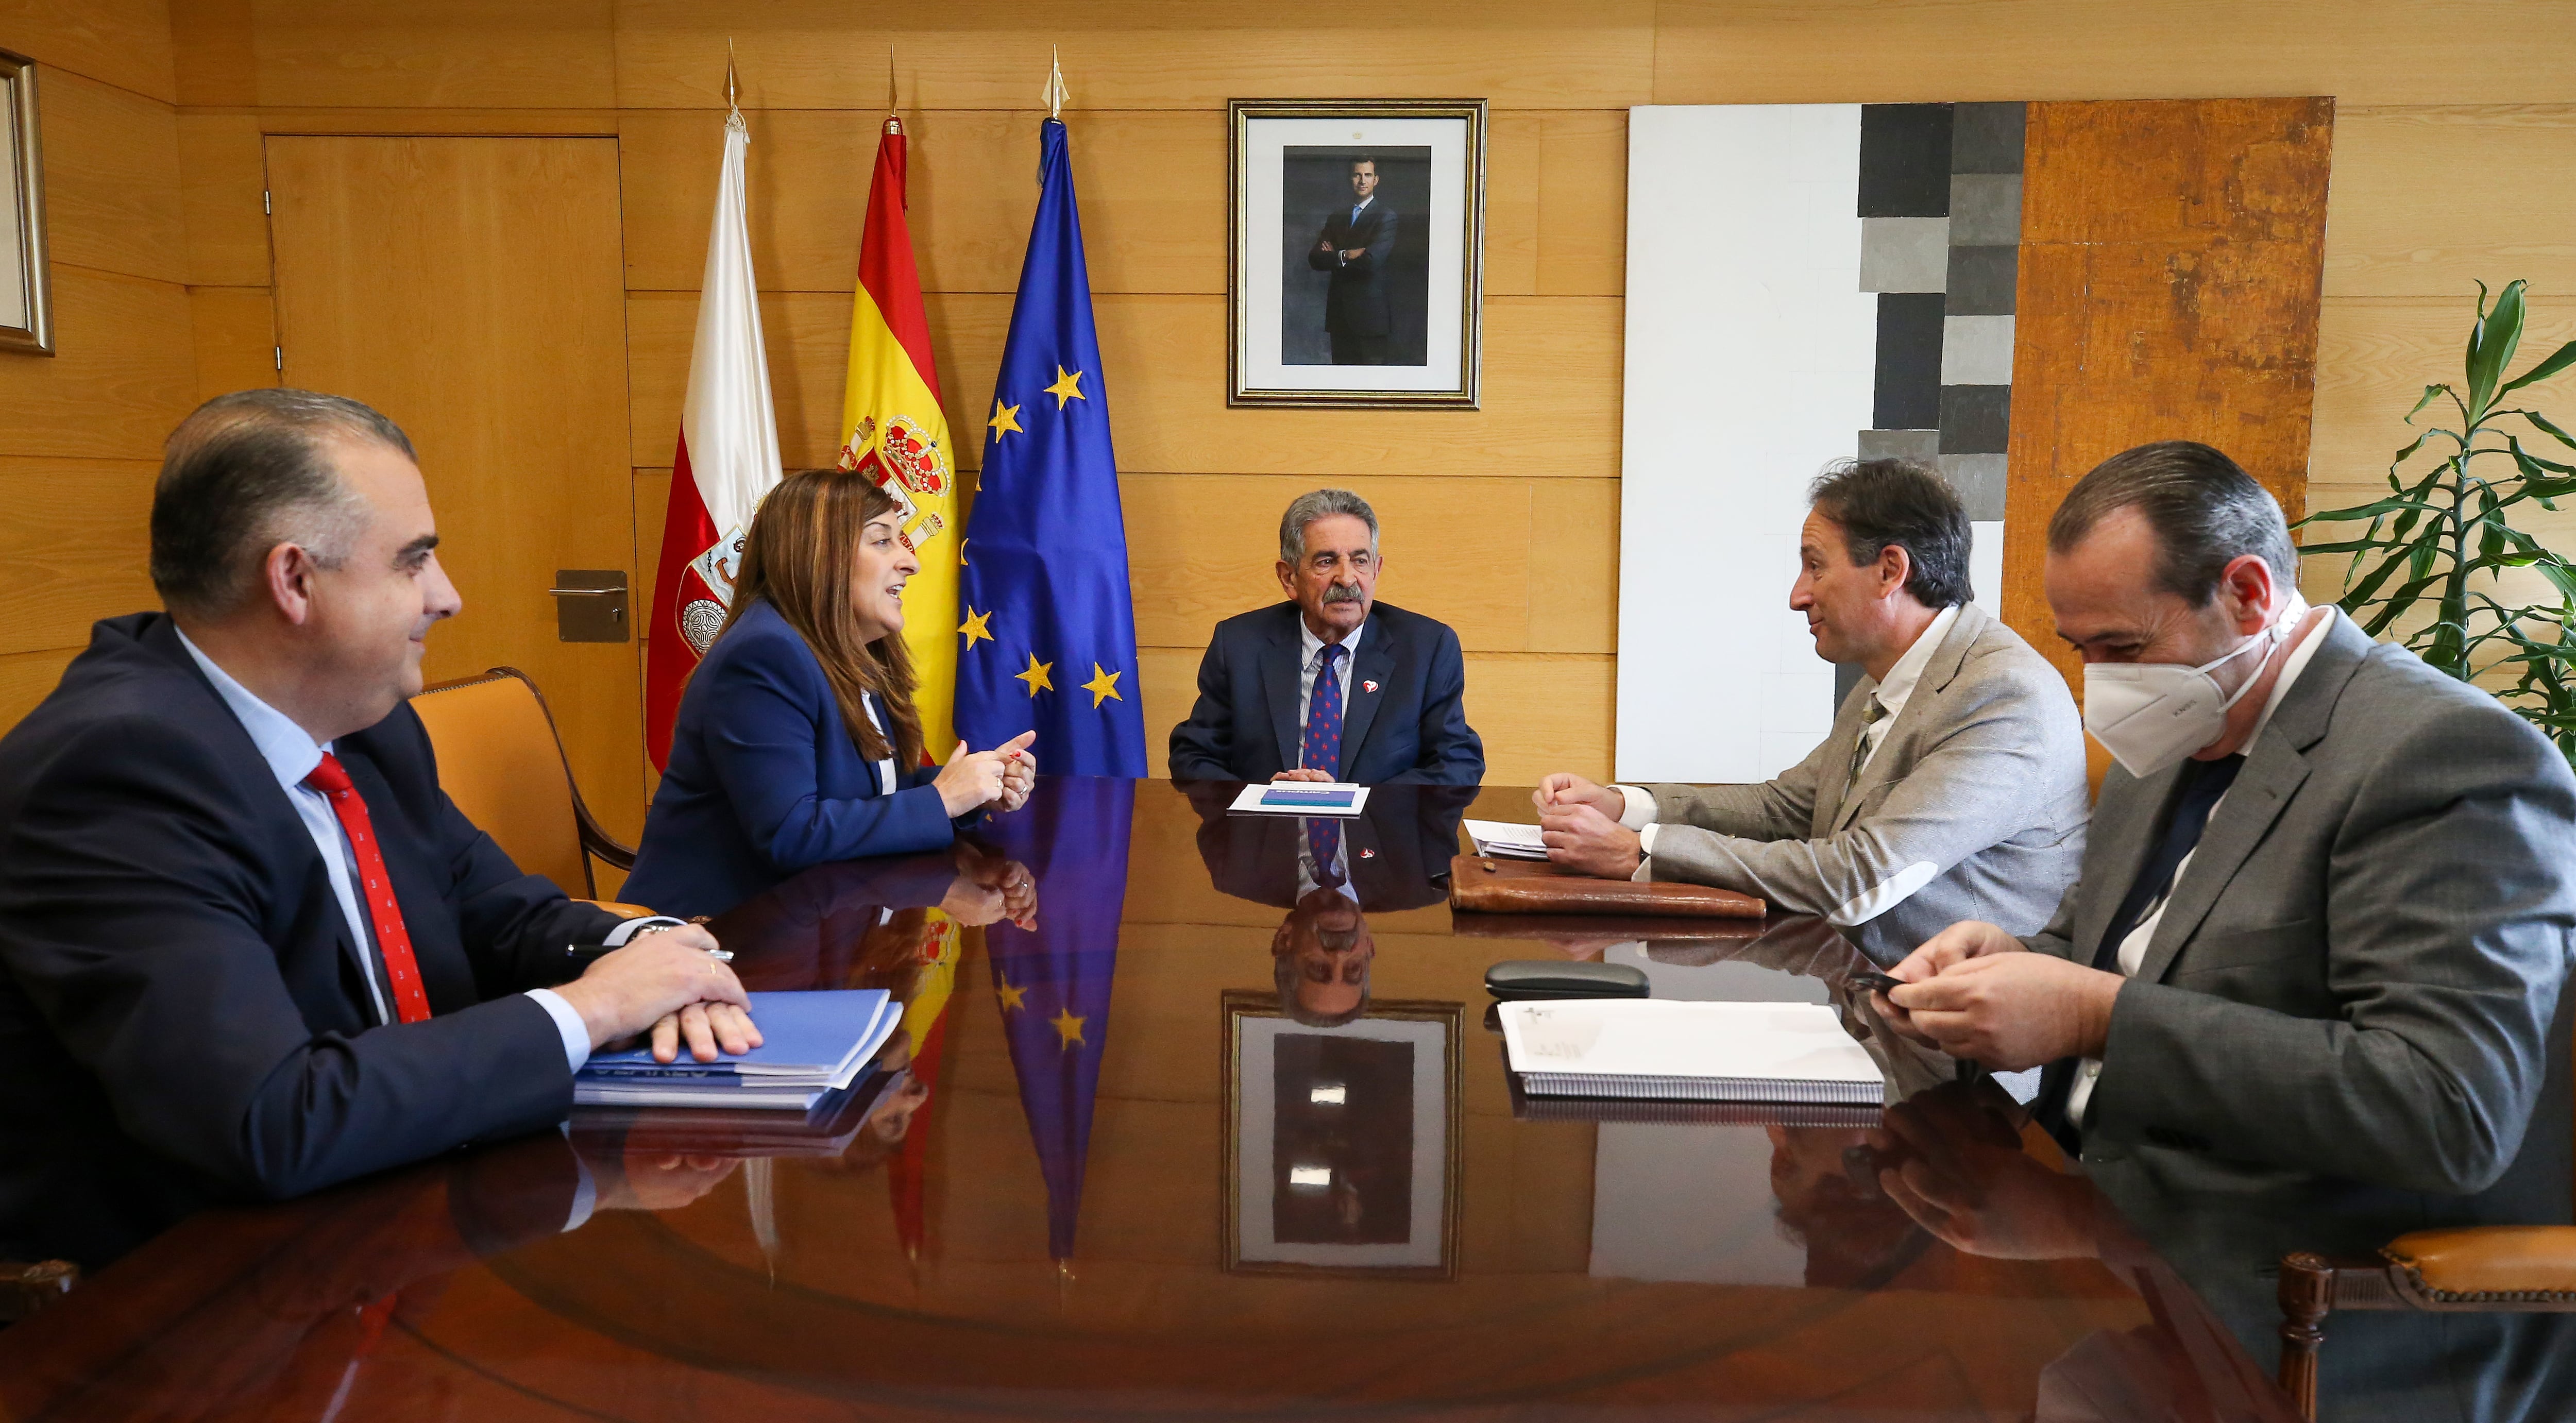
(1505, 840)
(1695, 1052)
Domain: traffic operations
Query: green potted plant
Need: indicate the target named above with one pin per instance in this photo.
(2442, 536)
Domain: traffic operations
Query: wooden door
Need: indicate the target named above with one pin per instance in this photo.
(473, 290)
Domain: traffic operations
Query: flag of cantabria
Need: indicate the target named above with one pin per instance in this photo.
(1048, 637)
(726, 460)
(892, 408)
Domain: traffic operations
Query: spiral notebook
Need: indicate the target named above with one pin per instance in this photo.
(1658, 1050)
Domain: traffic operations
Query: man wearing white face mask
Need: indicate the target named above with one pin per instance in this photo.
(2316, 949)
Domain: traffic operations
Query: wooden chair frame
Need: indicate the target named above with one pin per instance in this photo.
(596, 842)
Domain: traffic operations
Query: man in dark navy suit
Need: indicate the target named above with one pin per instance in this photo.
(1332, 685)
(248, 948)
(1356, 244)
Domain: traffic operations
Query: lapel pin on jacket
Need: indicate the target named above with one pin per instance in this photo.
(1368, 686)
(1367, 853)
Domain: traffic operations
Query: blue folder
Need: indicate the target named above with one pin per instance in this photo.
(811, 1043)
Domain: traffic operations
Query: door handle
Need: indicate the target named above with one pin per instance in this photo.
(590, 604)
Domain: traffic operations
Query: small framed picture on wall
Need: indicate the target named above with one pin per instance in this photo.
(1355, 267)
(26, 290)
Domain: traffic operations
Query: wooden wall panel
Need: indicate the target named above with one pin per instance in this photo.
(111, 179)
(236, 338)
(808, 340)
(121, 42)
(2118, 279)
(1490, 557)
(1890, 51)
(27, 677)
(74, 547)
(227, 225)
(2431, 201)
(123, 374)
(435, 53)
(1138, 54)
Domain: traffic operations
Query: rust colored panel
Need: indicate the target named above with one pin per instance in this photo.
(2172, 254)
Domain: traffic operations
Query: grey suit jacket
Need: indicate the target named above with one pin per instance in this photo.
(2351, 1006)
(1976, 793)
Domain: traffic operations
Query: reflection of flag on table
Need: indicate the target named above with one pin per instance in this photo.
(1053, 983)
(1049, 636)
(726, 460)
(925, 1019)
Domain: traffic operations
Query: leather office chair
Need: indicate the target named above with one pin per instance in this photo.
(501, 760)
(2521, 1269)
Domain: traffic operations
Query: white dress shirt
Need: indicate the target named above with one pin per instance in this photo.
(292, 754)
(1893, 692)
(2133, 949)
(885, 768)
(1312, 666)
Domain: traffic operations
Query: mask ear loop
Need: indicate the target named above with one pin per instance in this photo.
(2274, 636)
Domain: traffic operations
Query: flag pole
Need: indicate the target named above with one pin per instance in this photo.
(730, 102)
(1054, 95)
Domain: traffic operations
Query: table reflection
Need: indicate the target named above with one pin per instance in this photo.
(1192, 1114)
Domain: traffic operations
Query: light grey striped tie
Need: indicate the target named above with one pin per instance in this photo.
(1870, 715)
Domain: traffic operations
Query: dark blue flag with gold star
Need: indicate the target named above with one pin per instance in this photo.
(1052, 983)
(1049, 637)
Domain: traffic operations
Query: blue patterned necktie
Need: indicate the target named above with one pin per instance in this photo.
(1323, 751)
(1324, 842)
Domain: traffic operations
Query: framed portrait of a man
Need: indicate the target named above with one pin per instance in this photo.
(1341, 1142)
(1355, 268)
(26, 302)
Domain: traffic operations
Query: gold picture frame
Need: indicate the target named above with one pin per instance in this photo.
(26, 283)
(1422, 1039)
(1313, 325)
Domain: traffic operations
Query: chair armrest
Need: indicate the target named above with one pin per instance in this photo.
(2490, 1264)
(623, 911)
(596, 841)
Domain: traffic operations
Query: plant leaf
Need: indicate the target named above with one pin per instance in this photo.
(2491, 346)
(2561, 436)
(2557, 361)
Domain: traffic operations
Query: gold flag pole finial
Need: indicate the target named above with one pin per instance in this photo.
(1055, 96)
(893, 124)
(730, 101)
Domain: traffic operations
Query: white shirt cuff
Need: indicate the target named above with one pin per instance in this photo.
(576, 1033)
(617, 937)
(1641, 812)
(1645, 871)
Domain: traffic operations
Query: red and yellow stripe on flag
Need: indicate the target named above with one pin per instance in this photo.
(892, 408)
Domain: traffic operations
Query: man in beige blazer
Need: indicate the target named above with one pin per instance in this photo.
(1952, 784)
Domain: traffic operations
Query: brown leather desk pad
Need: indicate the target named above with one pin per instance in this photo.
(1501, 886)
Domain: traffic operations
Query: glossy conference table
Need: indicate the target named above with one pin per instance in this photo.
(1114, 1177)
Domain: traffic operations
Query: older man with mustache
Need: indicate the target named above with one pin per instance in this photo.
(1331, 685)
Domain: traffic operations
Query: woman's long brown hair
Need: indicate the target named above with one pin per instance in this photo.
(800, 553)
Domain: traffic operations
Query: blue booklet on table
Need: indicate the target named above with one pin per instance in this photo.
(811, 1043)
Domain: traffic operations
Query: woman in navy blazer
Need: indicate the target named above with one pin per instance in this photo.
(797, 741)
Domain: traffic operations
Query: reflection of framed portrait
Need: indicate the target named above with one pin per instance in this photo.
(1341, 1144)
(26, 292)
(1355, 259)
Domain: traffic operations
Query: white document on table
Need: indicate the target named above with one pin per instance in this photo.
(1333, 798)
(1506, 839)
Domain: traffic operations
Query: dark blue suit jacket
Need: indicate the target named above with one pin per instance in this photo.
(764, 780)
(182, 1012)
(1412, 728)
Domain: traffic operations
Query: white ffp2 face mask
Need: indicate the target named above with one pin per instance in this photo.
(2150, 715)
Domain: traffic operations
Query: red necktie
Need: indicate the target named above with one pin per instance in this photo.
(332, 780)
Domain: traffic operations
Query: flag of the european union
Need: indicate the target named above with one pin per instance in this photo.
(1050, 636)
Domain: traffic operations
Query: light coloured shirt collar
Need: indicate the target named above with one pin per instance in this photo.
(1364, 202)
(1899, 686)
(288, 748)
(2297, 662)
(1309, 644)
